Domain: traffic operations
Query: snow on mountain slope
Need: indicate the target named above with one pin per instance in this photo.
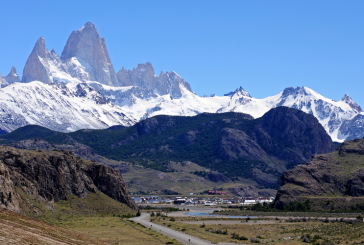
(58, 107)
(331, 114)
(141, 103)
(83, 92)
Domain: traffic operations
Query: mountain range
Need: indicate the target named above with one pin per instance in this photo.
(231, 145)
(81, 90)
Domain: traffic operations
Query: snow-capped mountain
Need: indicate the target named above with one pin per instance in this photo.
(331, 114)
(58, 107)
(80, 89)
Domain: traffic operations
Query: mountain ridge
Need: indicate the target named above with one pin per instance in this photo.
(235, 144)
(140, 93)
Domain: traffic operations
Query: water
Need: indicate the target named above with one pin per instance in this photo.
(215, 215)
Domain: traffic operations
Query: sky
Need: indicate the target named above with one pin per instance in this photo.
(216, 46)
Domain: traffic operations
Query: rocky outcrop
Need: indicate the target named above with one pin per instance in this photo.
(110, 182)
(354, 128)
(144, 77)
(12, 77)
(9, 198)
(336, 174)
(50, 176)
(348, 100)
(245, 191)
(90, 51)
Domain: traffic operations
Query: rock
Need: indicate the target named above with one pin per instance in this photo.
(37, 66)
(336, 174)
(12, 77)
(9, 198)
(90, 51)
(50, 176)
(144, 77)
(245, 191)
(110, 182)
(353, 128)
(346, 98)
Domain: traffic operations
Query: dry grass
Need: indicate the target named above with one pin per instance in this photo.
(117, 231)
(19, 229)
(271, 232)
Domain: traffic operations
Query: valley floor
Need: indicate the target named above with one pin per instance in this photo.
(265, 230)
(20, 229)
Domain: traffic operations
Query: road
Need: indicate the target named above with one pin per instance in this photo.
(179, 236)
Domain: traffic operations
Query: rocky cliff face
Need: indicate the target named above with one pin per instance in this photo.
(12, 77)
(50, 176)
(348, 100)
(37, 66)
(89, 49)
(144, 77)
(354, 128)
(340, 173)
(245, 191)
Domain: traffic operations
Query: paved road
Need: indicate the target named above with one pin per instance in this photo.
(179, 236)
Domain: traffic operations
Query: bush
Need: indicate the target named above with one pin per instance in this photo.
(138, 213)
(254, 240)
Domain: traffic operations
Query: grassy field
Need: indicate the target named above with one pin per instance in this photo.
(97, 219)
(20, 229)
(116, 230)
(268, 231)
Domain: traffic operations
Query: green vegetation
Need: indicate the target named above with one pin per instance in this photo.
(155, 142)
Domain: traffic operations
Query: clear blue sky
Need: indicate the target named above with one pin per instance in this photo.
(263, 46)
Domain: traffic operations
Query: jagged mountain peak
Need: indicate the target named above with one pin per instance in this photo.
(239, 92)
(40, 47)
(348, 100)
(92, 56)
(147, 67)
(37, 68)
(12, 77)
(13, 70)
(297, 91)
(88, 28)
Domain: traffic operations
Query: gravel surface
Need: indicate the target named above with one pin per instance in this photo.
(179, 236)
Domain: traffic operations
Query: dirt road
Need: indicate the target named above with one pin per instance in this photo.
(179, 236)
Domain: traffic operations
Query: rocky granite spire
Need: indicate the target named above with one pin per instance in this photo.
(144, 76)
(12, 77)
(90, 51)
(37, 67)
(351, 103)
